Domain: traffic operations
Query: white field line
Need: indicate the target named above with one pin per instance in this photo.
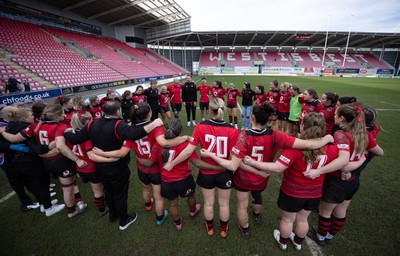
(6, 197)
(388, 109)
(314, 247)
(397, 105)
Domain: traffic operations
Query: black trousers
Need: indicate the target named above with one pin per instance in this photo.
(190, 108)
(116, 186)
(18, 183)
(154, 112)
(39, 180)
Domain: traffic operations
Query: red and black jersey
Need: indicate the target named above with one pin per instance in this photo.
(262, 146)
(329, 114)
(344, 142)
(163, 99)
(218, 92)
(175, 93)
(284, 102)
(232, 95)
(273, 98)
(136, 98)
(215, 136)
(205, 91)
(81, 151)
(96, 111)
(142, 148)
(181, 171)
(46, 133)
(294, 183)
(260, 98)
(308, 107)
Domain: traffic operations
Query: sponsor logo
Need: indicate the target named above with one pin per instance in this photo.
(342, 146)
(235, 150)
(228, 184)
(66, 173)
(284, 159)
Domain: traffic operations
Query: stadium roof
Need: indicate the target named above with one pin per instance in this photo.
(150, 14)
(140, 13)
(263, 39)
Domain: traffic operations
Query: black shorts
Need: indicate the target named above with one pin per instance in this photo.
(182, 188)
(60, 167)
(147, 178)
(164, 109)
(336, 190)
(283, 116)
(256, 194)
(204, 105)
(296, 123)
(231, 106)
(89, 177)
(176, 107)
(221, 180)
(294, 204)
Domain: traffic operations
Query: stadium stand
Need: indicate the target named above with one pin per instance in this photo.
(107, 59)
(370, 60)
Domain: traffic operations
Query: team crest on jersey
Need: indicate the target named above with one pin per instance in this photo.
(188, 191)
(235, 150)
(66, 173)
(284, 159)
(228, 184)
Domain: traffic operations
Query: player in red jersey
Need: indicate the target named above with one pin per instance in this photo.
(205, 91)
(50, 129)
(217, 90)
(68, 108)
(110, 96)
(260, 96)
(341, 185)
(163, 99)
(138, 95)
(177, 181)
(329, 100)
(284, 107)
(149, 176)
(261, 144)
(273, 94)
(310, 102)
(88, 172)
(174, 90)
(298, 194)
(217, 136)
(94, 107)
(231, 103)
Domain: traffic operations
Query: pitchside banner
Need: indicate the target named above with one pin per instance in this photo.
(367, 72)
(383, 71)
(28, 97)
(282, 70)
(246, 70)
(347, 71)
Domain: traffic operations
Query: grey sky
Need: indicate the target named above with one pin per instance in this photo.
(306, 15)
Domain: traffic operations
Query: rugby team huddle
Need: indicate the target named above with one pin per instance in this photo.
(323, 146)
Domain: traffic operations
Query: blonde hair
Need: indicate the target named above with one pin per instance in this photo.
(18, 114)
(313, 127)
(355, 125)
(50, 113)
(217, 106)
(78, 120)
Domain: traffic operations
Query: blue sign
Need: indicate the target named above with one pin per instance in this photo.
(29, 97)
(385, 71)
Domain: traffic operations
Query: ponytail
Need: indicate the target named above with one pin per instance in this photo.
(174, 129)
